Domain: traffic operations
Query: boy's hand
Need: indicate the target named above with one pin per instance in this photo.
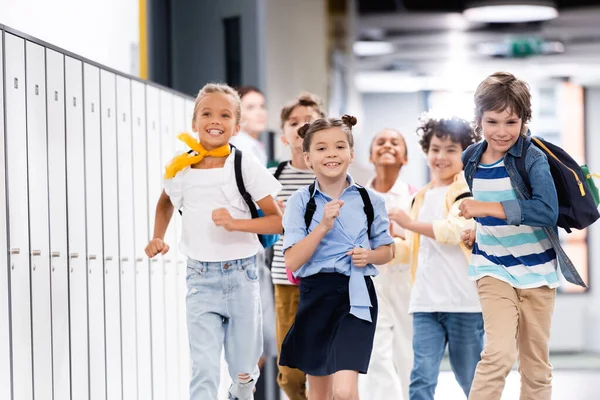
(221, 217)
(330, 213)
(281, 205)
(359, 256)
(396, 230)
(468, 238)
(156, 246)
(470, 208)
(400, 217)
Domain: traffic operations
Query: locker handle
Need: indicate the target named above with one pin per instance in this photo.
(167, 261)
(36, 253)
(154, 260)
(55, 254)
(180, 262)
(124, 259)
(92, 257)
(74, 255)
(108, 258)
(15, 252)
(139, 260)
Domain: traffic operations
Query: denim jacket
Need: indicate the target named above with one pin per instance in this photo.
(539, 209)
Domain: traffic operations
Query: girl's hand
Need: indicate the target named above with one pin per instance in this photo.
(330, 213)
(396, 230)
(359, 256)
(221, 217)
(400, 217)
(470, 208)
(281, 205)
(468, 238)
(156, 246)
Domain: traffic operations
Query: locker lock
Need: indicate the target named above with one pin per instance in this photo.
(56, 95)
(16, 83)
(37, 90)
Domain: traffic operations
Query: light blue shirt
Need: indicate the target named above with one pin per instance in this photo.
(349, 231)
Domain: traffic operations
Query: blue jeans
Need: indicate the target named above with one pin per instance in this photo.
(223, 308)
(462, 332)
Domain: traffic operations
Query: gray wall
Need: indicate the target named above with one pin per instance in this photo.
(390, 110)
(198, 42)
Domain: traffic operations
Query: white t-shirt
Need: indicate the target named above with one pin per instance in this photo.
(197, 192)
(249, 145)
(399, 196)
(441, 283)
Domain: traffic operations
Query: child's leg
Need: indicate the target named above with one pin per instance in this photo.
(345, 385)
(204, 307)
(291, 380)
(429, 344)
(500, 306)
(537, 306)
(465, 344)
(320, 387)
(243, 329)
(403, 327)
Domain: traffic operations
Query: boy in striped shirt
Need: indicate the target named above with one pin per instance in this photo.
(292, 175)
(515, 246)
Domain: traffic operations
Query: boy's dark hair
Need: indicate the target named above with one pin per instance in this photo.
(244, 90)
(400, 135)
(459, 130)
(308, 130)
(305, 99)
(502, 91)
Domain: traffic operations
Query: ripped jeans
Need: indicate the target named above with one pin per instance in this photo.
(223, 309)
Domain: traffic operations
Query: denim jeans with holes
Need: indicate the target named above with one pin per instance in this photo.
(223, 309)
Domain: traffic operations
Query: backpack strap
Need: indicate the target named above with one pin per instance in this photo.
(280, 168)
(239, 180)
(311, 206)
(520, 163)
(463, 196)
(368, 207)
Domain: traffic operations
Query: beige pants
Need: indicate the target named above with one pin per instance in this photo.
(517, 323)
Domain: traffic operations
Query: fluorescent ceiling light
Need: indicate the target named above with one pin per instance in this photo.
(510, 12)
(372, 48)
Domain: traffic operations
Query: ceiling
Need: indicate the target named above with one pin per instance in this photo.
(435, 47)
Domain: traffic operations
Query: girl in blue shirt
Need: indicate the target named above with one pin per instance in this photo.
(332, 336)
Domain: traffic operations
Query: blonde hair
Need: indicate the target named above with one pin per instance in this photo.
(222, 88)
(502, 91)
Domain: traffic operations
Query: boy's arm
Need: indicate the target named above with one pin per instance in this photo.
(269, 224)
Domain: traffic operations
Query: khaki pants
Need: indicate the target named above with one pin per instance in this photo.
(517, 323)
(291, 380)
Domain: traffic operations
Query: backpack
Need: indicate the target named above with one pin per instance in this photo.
(266, 240)
(577, 205)
(311, 208)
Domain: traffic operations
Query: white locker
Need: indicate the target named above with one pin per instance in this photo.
(168, 135)
(180, 125)
(110, 203)
(126, 237)
(189, 115)
(18, 218)
(57, 195)
(78, 299)
(93, 197)
(38, 220)
(157, 266)
(5, 367)
(140, 213)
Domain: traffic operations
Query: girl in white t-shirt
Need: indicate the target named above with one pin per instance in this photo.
(219, 237)
(392, 358)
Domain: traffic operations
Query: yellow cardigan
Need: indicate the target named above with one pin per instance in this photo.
(446, 230)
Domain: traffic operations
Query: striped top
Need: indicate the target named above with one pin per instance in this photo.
(291, 179)
(519, 255)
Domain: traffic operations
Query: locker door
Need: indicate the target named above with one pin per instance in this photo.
(126, 236)
(38, 220)
(157, 289)
(57, 195)
(76, 228)
(110, 202)
(142, 277)
(18, 217)
(179, 120)
(93, 197)
(171, 315)
(5, 370)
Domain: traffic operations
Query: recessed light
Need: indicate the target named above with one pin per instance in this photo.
(510, 11)
(367, 48)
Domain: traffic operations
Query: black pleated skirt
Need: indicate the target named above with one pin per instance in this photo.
(325, 337)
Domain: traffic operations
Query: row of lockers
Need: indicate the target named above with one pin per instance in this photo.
(83, 313)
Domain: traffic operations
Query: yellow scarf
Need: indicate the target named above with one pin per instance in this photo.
(185, 160)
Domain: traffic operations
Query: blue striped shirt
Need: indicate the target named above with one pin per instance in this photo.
(519, 255)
